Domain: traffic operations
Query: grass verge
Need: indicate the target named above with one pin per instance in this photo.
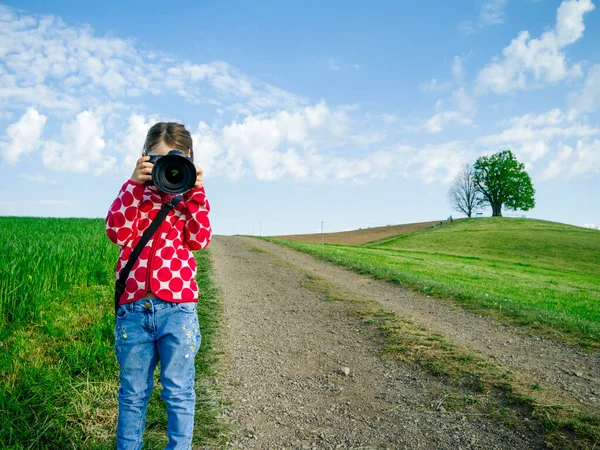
(501, 289)
(59, 375)
(495, 392)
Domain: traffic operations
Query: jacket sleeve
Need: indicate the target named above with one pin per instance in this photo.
(197, 231)
(122, 219)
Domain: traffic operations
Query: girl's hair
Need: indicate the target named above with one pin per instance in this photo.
(171, 133)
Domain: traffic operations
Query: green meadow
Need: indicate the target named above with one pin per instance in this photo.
(58, 371)
(539, 274)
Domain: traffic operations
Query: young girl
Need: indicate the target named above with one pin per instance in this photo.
(156, 316)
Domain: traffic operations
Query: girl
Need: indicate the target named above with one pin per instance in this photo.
(156, 316)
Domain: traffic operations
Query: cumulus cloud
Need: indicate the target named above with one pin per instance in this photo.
(459, 108)
(529, 62)
(23, 135)
(55, 67)
(538, 139)
(583, 158)
(131, 143)
(86, 82)
(440, 163)
(81, 147)
(292, 145)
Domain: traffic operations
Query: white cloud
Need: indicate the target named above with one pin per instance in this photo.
(458, 70)
(463, 101)
(585, 158)
(388, 118)
(467, 27)
(538, 140)
(81, 148)
(463, 106)
(492, 13)
(593, 227)
(24, 136)
(588, 98)
(435, 85)
(440, 120)
(131, 142)
(332, 65)
(293, 145)
(573, 161)
(530, 127)
(530, 62)
(439, 163)
(557, 165)
(63, 69)
(551, 117)
(368, 138)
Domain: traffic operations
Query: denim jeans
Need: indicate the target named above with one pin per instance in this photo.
(146, 331)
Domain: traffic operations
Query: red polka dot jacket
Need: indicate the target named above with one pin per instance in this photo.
(166, 265)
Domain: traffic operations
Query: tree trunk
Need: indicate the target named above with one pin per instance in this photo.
(497, 210)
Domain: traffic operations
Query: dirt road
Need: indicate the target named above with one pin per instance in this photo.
(287, 352)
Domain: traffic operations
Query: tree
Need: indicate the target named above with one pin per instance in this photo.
(463, 194)
(502, 180)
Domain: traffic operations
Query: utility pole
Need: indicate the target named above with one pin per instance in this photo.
(260, 228)
(322, 237)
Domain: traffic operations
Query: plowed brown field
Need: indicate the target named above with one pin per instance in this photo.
(362, 236)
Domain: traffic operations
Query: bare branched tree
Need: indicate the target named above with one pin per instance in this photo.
(463, 194)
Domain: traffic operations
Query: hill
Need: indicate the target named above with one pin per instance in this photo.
(526, 242)
(532, 272)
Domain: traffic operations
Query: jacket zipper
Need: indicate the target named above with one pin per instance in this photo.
(151, 257)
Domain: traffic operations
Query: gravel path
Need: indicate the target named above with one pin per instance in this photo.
(284, 347)
(567, 371)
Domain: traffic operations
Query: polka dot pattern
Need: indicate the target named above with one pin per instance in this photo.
(166, 265)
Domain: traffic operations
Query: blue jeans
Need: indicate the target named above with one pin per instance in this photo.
(146, 331)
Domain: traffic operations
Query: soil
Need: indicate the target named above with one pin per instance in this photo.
(362, 236)
(300, 372)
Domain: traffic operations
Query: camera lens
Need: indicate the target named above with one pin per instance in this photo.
(174, 173)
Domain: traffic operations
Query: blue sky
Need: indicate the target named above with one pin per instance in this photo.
(355, 113)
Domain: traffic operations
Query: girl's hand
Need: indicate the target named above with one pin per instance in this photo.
(199, 177)
(142, 171)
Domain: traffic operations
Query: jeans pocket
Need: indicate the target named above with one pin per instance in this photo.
(189, 307)
(121, 312)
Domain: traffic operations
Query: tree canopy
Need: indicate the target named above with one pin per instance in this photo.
(502, 180)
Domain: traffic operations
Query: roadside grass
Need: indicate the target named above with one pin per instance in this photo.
(542, 276)
(503, 395)
(58, 371)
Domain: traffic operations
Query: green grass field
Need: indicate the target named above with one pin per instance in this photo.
(58, 370)
(541, 274)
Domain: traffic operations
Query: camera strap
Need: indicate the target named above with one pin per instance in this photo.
(120, 283)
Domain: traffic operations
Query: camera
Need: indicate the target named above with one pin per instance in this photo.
(173, 173)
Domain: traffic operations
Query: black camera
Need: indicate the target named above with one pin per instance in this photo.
(173, 173)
